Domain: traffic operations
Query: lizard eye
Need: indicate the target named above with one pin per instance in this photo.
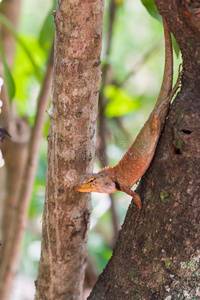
(105, 182)
(91, 180)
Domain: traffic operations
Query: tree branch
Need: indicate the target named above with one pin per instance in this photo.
(103, 158)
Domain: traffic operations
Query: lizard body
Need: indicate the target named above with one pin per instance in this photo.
(137, 159)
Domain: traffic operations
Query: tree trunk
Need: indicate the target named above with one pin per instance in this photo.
(73, 115)
(158, 257)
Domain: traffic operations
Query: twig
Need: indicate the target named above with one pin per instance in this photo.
(102, 123)
(125, 132)
(103, 158)
(139, 64)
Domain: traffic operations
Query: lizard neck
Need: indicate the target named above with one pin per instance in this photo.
(111, 172)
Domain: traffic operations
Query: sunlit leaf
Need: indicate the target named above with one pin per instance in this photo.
(25, 81)
(152, 9)
(47, 32)
(14, 33)
(119, 1)
(10, 84)
(175, 46)
(121, 102)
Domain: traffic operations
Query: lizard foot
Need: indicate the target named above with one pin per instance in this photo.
(137, 201)
(136, 215)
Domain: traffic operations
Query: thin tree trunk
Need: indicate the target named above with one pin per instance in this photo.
(158, 256)
(73, 115)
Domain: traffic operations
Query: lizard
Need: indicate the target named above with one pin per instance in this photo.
(138, 157)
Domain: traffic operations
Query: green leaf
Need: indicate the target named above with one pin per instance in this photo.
(152, 9)
(175, 46)
(54, 4)
(120, 102)
(25, 80)
(10, 84)
(47, 32)
(14, 33)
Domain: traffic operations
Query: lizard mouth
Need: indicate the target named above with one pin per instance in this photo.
(84, 188)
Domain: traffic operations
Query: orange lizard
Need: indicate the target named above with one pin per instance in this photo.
(137, 159)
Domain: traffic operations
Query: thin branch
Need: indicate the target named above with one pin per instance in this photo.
(112, 13)
(139, 64)
(9, 267)
(125, 132)
(103, 158)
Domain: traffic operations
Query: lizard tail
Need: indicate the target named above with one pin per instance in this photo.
(168, 69)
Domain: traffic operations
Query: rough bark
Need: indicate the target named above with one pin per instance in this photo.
(158, 257)
(73, 115)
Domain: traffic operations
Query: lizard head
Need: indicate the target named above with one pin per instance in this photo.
(97, 182)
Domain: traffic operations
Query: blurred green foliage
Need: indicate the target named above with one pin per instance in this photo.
(135, 83)
(120, 101)
(7, 74)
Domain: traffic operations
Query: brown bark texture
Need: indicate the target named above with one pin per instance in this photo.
(73, 115)
(158, 256)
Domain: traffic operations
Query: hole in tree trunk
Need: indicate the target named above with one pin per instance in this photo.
(177, 151)
(186, 131)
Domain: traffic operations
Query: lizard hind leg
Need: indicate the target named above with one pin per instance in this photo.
(138, 202)
(160, 113)
(178, 82)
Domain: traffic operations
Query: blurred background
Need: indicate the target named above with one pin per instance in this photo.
(132, 65)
